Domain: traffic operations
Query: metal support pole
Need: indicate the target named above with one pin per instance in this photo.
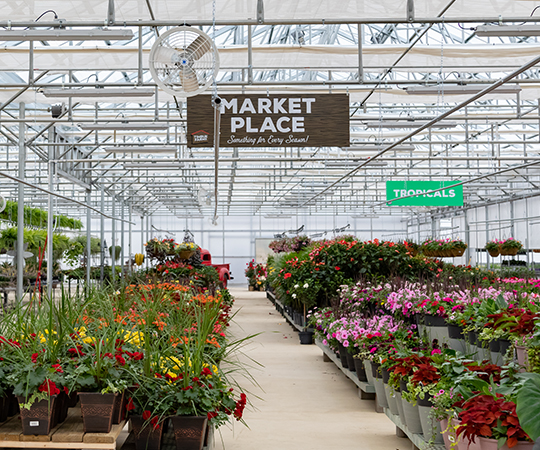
(50, 217)
(360, 53)
(122, 239)
(113, 244)
(467, 238)
(129, 238)
(487, 235)
(250, 56)
(102, 237)
(88, 240)
(20, 209)
(140, 59)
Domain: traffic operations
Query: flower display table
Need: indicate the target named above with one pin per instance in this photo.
(68, 434)
(417, 439)
(366, 390)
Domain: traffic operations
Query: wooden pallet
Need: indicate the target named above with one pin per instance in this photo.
(68, 434)
(167, 441)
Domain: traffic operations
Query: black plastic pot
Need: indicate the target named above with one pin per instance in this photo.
(350, 362)
(434, 321)
(306, 337)
(375, 370)
(343, 355)
(504, 346)
(403, 386)
(495, 346)
(473, 339)
(426, 401)
(455, 332)
(360, 369)
(385, 375)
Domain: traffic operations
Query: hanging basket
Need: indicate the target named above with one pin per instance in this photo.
(185, 254)
(493, 253)
(509, 251)
(536, 250)
(457, 252)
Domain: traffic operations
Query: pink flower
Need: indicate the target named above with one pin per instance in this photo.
(435, 351)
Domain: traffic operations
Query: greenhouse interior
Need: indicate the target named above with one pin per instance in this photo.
(270, 225)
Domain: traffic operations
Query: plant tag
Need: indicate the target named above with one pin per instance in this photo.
(34, 423)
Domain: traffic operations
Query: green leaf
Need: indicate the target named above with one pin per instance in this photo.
(501, 441)
(528, 406)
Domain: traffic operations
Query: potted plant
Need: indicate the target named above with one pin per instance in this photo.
(185, 250)
(510, 246)
(493, 419)
(97, 373)
(493, 248)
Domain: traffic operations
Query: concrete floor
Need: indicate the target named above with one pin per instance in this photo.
(304, 403)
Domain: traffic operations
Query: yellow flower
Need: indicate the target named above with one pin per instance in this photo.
(88, 340)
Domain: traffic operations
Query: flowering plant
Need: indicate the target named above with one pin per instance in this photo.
(491, 416)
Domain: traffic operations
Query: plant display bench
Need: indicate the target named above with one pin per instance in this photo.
(281, 309)
(417, 440)
(68, 434)
(366, 391)
(168, 442)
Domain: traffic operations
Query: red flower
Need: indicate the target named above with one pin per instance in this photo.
(66, 390)
(130, 406)
(211, 415)
(146, 415)
(49, 387)
(287, 275)
(206, 371)
(58, 368)
(34, 357)
(120, 360)
(338, 268)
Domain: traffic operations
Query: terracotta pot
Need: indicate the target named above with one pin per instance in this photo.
(491, 444)
(189, 431)
(97, 411)
(38, 419)
(146, 437)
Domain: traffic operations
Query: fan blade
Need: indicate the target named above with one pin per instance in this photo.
(189, 80)
(199, 47)
(164, 55)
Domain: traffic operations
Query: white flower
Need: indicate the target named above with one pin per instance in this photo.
(306, 286)
(294, 296)
(296, 286)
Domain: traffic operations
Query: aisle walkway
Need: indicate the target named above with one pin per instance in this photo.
(307, 404)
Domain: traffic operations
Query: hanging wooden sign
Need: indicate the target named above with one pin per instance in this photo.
(271, 121)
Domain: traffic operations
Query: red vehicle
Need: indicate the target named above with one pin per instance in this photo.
(224, 270)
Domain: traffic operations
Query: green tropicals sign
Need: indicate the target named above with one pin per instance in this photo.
(395, 190)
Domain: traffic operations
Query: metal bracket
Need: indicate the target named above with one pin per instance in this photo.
(260, 11)
(410, 10)
(110, 13)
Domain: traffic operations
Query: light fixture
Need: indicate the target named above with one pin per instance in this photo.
(507, 30)
(140, 149)
(96, 34)
(460, 89)
(378, 148)
(408, 124)
(100, 92)
(277, 216)
(123, 126)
